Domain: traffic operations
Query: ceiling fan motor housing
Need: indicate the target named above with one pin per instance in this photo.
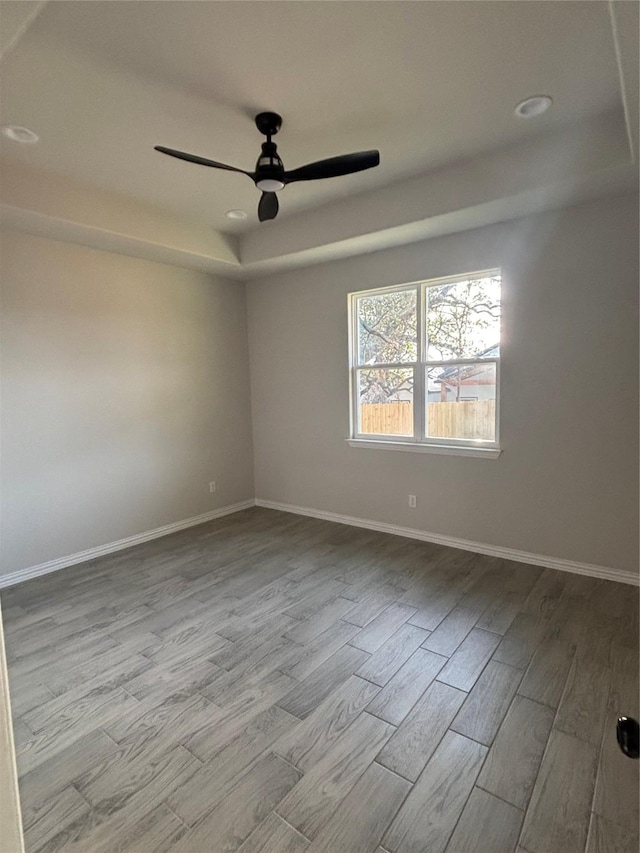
(269, 171)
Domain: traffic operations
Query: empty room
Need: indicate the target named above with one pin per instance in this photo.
(319, 426)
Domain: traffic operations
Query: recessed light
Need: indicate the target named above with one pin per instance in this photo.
(533, 106)
(20, 134)
(236, 214)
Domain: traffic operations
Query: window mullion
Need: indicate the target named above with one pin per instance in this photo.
(391, 365)
(464, 361)
(418, 383)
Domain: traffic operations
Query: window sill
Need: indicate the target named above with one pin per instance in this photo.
(414, 447)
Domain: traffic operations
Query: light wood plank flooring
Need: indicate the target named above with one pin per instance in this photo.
(268, 683)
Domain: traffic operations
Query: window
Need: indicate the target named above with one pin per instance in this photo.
(425, 364)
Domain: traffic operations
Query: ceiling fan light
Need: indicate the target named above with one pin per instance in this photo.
(270, 185)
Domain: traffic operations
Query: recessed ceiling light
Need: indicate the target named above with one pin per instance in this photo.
(236, 214)
(533, 106)
(20, 134)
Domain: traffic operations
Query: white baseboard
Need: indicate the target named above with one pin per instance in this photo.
(120, 545)
(466, 545)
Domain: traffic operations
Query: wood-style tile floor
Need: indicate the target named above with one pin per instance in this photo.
(280, 684)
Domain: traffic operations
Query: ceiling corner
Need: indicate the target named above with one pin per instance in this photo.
(16, 16)
(625, 25)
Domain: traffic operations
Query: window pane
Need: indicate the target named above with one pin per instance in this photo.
(463, 319)
(461, 401)
(387, 328)
(386, 401)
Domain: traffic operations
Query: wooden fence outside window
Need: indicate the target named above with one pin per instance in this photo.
(467, 419)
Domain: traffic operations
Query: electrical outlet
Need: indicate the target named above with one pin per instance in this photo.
(412, 501)
(212, 486)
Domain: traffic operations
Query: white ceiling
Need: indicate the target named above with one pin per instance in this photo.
(432, 84)
(425, 82)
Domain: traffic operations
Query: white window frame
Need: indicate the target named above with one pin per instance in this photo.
(419, 441)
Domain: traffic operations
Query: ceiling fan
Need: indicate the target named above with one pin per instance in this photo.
(270, 175)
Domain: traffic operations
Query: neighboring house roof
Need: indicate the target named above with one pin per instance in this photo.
(455, 370)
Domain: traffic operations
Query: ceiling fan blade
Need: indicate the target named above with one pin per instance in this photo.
(268, 206)
(334, 166)
(202, 161)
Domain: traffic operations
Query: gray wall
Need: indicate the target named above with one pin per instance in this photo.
(125, 389)
(566, 484)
